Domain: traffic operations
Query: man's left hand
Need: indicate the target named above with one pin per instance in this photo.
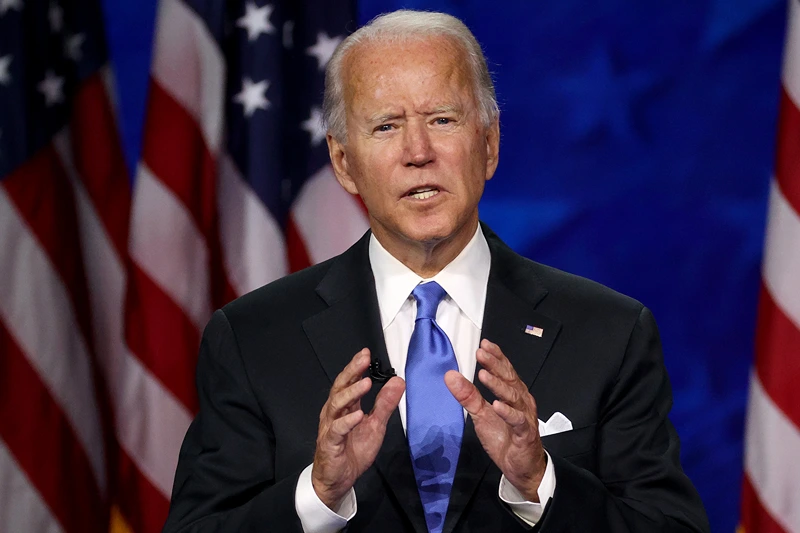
(508, 428)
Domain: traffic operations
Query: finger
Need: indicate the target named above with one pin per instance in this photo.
(504, 391)
(387, 400)
(513, 417)
(348, 397)
(493, 360)
(352, 372)
(465, 393)
(342, 426)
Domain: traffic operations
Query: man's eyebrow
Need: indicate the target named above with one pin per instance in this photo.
(383, 117)
(448, 108)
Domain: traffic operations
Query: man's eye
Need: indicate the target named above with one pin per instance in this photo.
(443, 121)
(384, 127)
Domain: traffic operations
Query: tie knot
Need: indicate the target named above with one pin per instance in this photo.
(428, 296)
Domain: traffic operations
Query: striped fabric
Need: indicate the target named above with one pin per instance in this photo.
(771, 493)
(105, 289)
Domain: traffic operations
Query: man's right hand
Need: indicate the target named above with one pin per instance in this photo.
(348, 440)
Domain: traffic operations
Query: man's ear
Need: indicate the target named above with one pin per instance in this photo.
(492, 148)
(339, 162)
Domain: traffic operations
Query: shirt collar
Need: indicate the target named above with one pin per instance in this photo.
(464, 279)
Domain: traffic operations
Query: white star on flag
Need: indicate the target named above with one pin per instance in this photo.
(56, 16)
(52, 87)
(5, 5)
(72, 46)
(5, 75)
(256, 20)
(324, 48)
(313, 125)
(252, 96)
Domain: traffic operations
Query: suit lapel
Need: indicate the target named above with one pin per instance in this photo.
(350, 323)
(512, 295)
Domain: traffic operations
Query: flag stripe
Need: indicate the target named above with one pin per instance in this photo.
(788, 155)
(98, 159)
(162, 337)
(21, 505)
(160, 223)
(777, 360)
(323, 204)
(772, 448)
(58, 352)
(49, 451)
(143, 506)
(182, 38)
(782, 255)
(188, 168)
(133, 386)
(791, 54)
(755, 519)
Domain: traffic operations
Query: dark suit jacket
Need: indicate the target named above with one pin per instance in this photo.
(268, 359)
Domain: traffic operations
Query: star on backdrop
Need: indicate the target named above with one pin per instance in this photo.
(601, 97)
(56, 17)
(5, 75)
(256, 20)
(314, 126)
(252, 96)
(72, 46)
(6, 5)
(52, 87)
(324, 48)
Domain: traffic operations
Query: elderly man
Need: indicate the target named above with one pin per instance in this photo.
(291, 435)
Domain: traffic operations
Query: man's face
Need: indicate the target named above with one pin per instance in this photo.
(416, 151)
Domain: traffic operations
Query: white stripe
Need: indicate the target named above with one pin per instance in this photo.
(39, 314)
(252, 241)
(328, 218)
(150, 421)
(791, 55)
(781, 268)
(165, 244)
(188, 64)
(772, 446)
(21, 505)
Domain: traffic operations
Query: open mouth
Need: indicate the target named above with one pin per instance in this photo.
(423, 193)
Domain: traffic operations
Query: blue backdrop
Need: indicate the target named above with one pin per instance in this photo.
(637, 146)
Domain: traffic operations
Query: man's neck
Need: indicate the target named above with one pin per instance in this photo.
(426, 259)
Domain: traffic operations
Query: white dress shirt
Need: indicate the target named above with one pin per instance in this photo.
(460, 315)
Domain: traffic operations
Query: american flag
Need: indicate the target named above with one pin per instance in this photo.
(104, 290)
(771, 495)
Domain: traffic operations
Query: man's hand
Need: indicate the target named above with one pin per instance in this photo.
(348, 440)
(509, 428)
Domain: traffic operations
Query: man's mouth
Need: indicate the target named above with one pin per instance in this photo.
(423, 193)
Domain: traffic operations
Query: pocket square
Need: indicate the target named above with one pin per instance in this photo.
(558, 423)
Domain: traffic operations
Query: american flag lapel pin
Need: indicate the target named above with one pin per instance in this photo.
(533, 330)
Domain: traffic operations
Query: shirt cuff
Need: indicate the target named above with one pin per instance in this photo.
(530, 512)
(315, 516)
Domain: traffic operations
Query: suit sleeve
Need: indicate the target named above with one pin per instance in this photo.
(639, 485)
(225, 480)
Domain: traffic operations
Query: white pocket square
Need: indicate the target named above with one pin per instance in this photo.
(558, 423)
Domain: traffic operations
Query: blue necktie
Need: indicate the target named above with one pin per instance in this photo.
(434, 419)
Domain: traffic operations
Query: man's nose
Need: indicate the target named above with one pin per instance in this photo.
(418, 147)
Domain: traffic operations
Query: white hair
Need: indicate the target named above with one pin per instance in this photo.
(400, 26)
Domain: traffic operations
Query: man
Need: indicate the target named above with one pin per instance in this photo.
(291, 435)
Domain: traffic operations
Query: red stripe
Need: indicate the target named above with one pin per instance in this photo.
(778, 356)
(143, 506)
(296, 248)
(161, 336)
(44, 444)
(788, 151)
(756, 519)
(174, 150)
(41, 191)
(99, 160)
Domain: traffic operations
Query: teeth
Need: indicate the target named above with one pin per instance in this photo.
(424, 194)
